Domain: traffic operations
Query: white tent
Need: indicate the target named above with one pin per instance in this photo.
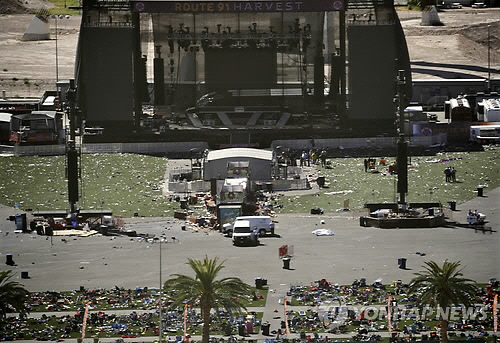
(38, 29)
(430, 17)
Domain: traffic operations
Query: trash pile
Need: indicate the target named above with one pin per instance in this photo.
(102, 324)
(357, 293)
(335, 307)
(100, 299)
(129, 325)
(199, 211)
(52, 327)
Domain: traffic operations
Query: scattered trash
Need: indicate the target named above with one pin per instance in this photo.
(317, 210)
(323, 232)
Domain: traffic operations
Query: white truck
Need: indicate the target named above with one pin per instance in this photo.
(264, 225)
(244, 234)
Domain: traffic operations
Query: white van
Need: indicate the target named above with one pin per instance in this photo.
(243, 233)
(264, 225)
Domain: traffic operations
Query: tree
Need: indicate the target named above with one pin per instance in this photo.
(421, 4)
(443, 287)
(227, 293)
(13, 296)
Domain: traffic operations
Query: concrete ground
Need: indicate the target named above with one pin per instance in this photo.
(354, 252)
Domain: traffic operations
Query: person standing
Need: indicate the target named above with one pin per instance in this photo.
(447, 173)
(256, 235)
(314, 157)
(322, 157)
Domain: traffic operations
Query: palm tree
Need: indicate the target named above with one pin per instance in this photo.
(13, 296)
(443, 287)
(227, 293)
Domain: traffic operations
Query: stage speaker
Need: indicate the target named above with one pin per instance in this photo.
(159, 82)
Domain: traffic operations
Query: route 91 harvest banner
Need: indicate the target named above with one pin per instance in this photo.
(158, 6)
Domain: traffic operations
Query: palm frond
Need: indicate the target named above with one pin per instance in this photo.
(13, 296)
(227, 293)
(443, 285)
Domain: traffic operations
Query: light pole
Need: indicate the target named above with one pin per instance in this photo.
(55, 17)
(160, 326)
(489, 70)
(402, 157)
(57, 57)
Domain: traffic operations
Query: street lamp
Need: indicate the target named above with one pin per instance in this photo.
(55, 17)
(489, 70)
(57, 57)
(160, 303)
(160, 327)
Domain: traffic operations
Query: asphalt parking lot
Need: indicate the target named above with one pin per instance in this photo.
(353, 252)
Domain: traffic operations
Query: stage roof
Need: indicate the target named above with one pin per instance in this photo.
(240, 153)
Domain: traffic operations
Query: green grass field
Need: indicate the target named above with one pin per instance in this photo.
(127, 183)
(426, 181)
(63, 7)
(124, 183)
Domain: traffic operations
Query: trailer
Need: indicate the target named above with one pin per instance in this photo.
(489, 110)
(37, 127)
(458, 109)
(485, 134)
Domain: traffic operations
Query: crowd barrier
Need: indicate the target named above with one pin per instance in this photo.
(200, 186)
(358, 143)
(112, 148)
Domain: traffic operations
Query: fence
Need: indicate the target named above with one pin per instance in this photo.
(289, 185)
(113, 148)
(6, 149)
(198, 186)
(185, 147)
(358, 143)
(439, 139)
(178, 174)
(41, 150)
